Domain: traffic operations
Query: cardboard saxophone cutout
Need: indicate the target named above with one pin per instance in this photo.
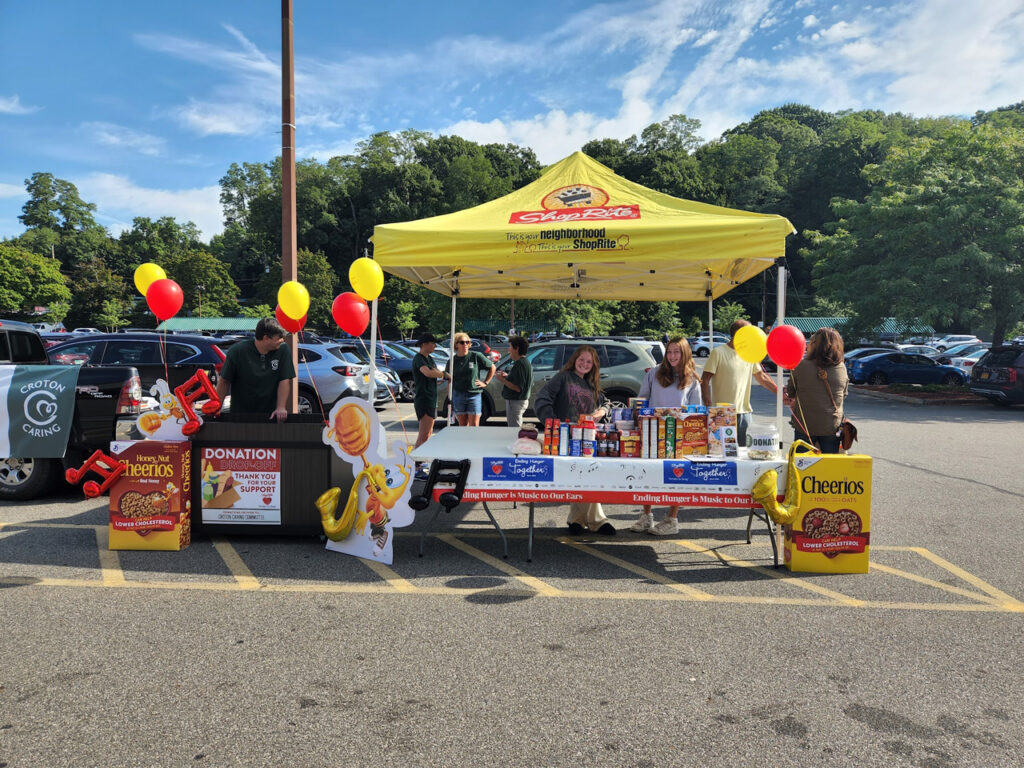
(764, 489)
(378, 501)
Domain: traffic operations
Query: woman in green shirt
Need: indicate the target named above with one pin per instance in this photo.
(471, 372)
(518, 380)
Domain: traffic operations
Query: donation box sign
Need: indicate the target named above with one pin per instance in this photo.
(241, 485)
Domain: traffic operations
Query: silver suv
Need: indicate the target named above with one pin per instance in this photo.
(623, 367)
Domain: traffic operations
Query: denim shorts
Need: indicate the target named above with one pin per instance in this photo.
(466, 402)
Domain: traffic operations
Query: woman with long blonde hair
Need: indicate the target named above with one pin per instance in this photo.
(673, 384)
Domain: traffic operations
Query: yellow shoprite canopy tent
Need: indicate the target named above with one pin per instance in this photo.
(582, 231)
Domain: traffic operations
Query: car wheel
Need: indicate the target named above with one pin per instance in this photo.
(951, 380)
(408, 390)
(22, 479)
(618, 398)
(878, 378)
(703, 352)
(308, 401)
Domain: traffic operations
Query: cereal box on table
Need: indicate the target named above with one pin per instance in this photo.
(832, 529)
(150, 504)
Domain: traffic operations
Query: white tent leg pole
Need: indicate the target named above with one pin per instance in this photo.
(372, 387)
(451, 367)
(780, 318)
(711, 326)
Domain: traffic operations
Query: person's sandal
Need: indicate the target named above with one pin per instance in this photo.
(606, 530)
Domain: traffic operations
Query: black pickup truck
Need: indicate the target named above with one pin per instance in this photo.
(102, 397)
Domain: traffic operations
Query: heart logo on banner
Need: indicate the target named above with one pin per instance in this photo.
(495, 468)
(677, 471)
(267, 500)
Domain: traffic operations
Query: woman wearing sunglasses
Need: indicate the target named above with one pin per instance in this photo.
(471, 372)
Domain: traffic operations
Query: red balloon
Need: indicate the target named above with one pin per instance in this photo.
(351, 313)
(164, 298)
(289, 324)
(786, 345)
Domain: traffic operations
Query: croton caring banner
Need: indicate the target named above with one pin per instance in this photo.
(40, 402)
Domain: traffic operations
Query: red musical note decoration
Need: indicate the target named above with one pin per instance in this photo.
(106, 467)
(194, 389)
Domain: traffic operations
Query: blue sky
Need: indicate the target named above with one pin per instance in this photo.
(144, 105)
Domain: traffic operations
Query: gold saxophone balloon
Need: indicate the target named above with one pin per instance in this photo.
(763, 491)
(338, 529)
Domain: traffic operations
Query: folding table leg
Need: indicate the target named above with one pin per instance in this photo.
(429, 527)
(498, 529)
(529, 538)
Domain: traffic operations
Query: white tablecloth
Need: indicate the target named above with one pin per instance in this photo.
(497, 475)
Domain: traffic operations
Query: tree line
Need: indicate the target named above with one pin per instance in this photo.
(921, 219)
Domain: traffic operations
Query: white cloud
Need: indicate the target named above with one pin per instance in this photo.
(209, 118)
(125, 138)
(118, 200)
(12, 190)
(706, 38)
(11, 105)
(810, 21)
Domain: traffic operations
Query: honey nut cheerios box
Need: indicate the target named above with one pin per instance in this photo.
(150, 504)
(832, 530)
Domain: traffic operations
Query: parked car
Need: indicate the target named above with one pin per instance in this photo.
(966, 362)
(901, 368)
(952, 339)
(701, 347)
(87, 330)
(175, 358)
(329, 372)
(959, 351)
(623, 366)
(103, 397)
(999, 375)
(860, 352)
(396, 367)
(476, 346)
(918, 349)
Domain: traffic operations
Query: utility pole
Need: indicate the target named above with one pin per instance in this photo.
(289, 243)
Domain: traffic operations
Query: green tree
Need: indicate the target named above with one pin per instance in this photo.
(940, 237)
(726, 313)
(207, 287)
(28, 280)
(112, 315)
(153, 241)
(320, 281)
(94, 284)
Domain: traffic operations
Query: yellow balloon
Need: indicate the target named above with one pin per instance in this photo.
(751, 344)
(366, 278)
(293, 298)
(147, 274)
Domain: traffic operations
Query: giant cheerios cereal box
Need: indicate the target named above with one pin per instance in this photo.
(831, 532)
(150, 504)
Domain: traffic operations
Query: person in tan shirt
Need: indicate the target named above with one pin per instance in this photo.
(727, 379)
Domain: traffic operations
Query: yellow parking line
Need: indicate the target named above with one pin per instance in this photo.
(932, 583)
(390, 576)
(239, 570)
(110, 563)
(541, 587)
(787, 577)
(686, 589)
(1011, 603)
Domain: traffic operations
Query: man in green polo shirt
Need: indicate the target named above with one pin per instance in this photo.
(518, 380)
(258, 373)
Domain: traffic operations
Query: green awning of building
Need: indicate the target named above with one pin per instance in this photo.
(209, 324)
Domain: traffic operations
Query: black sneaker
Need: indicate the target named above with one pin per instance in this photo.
(575, 529)
(606, 530)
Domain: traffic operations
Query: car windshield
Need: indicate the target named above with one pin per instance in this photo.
(396, 350)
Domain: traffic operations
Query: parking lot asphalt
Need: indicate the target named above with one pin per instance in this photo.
(630, 651)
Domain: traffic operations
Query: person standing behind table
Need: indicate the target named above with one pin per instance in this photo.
(467, 381)
(673, 384)
(727, 378)
(518, 380)
(573, 392)
(817, 389)
(258, 372)
(424, 377)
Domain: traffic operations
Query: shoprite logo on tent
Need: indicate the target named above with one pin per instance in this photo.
(579, 202)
